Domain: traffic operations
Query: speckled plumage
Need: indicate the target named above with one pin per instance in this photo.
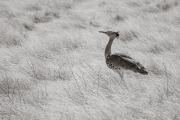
(120, 61)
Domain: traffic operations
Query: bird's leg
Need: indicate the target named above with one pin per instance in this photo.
(122, 78)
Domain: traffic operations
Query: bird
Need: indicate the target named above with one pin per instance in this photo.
(119, 62)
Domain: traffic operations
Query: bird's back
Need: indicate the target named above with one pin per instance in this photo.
(119, 61)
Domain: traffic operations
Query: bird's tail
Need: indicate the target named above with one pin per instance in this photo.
(140, 69)
(143, 71)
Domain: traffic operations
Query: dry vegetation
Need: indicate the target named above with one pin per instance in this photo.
(52, 63)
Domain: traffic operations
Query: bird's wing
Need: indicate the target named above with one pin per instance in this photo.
(123, 55)
(119, 61)
(124, 61)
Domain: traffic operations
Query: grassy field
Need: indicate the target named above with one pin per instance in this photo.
(52, 64)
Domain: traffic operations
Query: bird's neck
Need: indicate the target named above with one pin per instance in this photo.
(108, 47)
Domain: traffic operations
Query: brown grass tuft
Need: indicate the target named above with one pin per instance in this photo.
(7, 13)
(167, 5)
(119, 18)
(43, 17)
(33, 7)
(133, 4)
(151, 10)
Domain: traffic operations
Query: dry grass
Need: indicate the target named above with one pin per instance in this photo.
(52, 60)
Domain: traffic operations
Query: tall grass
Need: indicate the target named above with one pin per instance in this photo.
(52, 63)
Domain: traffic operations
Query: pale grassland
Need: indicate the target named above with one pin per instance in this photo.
(52, 64)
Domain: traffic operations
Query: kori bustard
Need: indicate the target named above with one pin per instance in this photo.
(120, 62)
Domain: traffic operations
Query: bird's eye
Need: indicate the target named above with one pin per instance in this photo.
(117, 34)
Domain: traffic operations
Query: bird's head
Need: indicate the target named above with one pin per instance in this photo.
(111, 34)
